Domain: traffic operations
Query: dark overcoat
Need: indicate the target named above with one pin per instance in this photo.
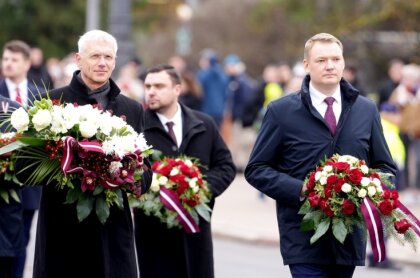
(293, 138)
(67, 248)
(11, 219)
(172, 253)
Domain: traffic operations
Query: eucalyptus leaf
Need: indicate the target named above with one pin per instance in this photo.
(98, 190)
(321, 229)
(84, 207)
(102, 209)
(307, 225)
(339, 229)
(204, 211)
(73, 196)
(305, 208)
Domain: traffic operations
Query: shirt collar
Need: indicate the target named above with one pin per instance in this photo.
(176, 119)
(12, 86)
(318, 98)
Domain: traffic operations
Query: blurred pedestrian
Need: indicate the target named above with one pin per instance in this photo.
(191, 93)
(38, 72)
(176, 253)
(327, 116)
(16, 86)
(66, 247)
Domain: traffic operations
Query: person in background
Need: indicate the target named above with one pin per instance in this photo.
(191, 94)
(332, 118)
(129, 82)
(350, 75)
(213, 82)
(64, 246)
(16, 86)
(12, 241)
(387, 86)
(38, 72)
(176, 253)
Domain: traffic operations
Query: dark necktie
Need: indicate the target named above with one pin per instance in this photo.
(171, 132)
(329, 115)
(18, 96)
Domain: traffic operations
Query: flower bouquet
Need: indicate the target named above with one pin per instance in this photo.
(178, 194)
(92, 154)
(343, 192)
(7, 167)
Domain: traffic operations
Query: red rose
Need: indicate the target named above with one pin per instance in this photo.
(394, 195)
(375, 175)
(337, 187)
(155, 165)
(328, 191)
(165, 170)
(313, 200)
(395, 203)
(192, 201)
(386, 194)
(341, 166)
(385, 207)
(348, 207)
(331, 180)
(402, 226)
(323, 203)
(328, 211)
(355, 176)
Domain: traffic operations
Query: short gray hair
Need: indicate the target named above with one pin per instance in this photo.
(95, 36)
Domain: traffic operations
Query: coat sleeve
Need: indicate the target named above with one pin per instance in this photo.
(221, 170)
(380, 156)
(263, 170)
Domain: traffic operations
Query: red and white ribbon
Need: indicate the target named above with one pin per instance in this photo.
(375, 229)
(5, 106)
(170, 201)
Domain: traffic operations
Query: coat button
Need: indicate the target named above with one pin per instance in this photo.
(174, 148)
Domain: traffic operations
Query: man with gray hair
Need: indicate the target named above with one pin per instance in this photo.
(66, 247)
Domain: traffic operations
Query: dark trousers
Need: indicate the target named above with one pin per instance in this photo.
(321, 271)
(6, 267)
(19, 265)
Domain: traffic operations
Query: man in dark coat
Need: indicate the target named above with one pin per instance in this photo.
(294, 137)
(65, 247)
(173, 253)
(16, 86)
(12, 243)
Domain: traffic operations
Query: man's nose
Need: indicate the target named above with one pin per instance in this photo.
(329, 64)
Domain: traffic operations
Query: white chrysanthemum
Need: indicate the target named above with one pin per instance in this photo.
(87, 129)
(371, 190)
(362, 193)
(346, 188)
(323, 180)
(20, 120)
(364, 169)
(174, 171)
(155, 186)
(365, 181)
(141, 142)
(318, 175)
(41, 119)
(328, 168)
(163, 180)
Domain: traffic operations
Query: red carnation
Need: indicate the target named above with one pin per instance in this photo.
(386, 207)
(341, 166)
(402, 226)
(355, 176)
(348, 207)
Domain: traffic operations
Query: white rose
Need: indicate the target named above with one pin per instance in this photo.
(87, 129)
(328, 168)
(346, 188)
(365, 181)
(371, 190)
(163, 180)
(379, 189)
(188, 163)
(362, 193)
(155, 186)
(364, 169)
(323, 180)
(20, 120)
(193, 182)
(317, 175)
(174, 171)
(41, 119)
(377, 182)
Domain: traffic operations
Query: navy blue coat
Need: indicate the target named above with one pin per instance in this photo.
(11, 219)
(172, 253)
(30, 195)
(67, 248)
(293, 138)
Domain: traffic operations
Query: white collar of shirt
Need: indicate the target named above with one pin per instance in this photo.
(320, 105)
(177, 120)
(23, 89)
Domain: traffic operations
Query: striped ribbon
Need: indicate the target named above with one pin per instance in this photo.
(375, 230)
(5, 106)
(415, 223)
(171, 202)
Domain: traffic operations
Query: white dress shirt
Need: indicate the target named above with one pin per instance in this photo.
(23, 90)
(177, 120)
(320, 105)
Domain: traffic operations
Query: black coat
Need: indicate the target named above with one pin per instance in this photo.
(67, 248)
(293, 138)
(11, 219)
(172, 253)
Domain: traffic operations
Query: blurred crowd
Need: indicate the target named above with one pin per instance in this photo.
(222, 88)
